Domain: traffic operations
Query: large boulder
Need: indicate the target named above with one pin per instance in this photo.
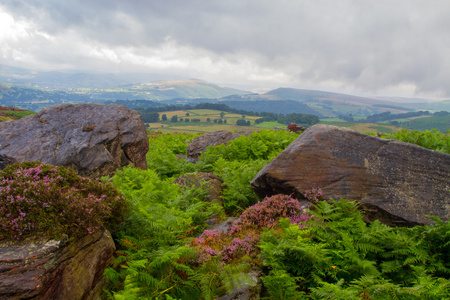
(94, 139)
(214, 138)
(64, 269)
(397, 183)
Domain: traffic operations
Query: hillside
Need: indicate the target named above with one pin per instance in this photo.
(35, 99)
(34, 90)
(180, 88)
(12, 113)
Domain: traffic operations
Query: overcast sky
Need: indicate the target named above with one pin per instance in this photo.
(363, 47)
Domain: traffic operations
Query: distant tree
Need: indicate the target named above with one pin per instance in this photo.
(220, 121)
(215, 120)
(208, 120)
(441, 113)
(164, 117)
(348, 118)
(224, 121)
(241, 122)
(243, 116)
(248, 123)
(187, 114)
(150, 117)
(186, 120)
(222, 114)
(174, 118)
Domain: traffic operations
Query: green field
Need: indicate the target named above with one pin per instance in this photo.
(423, 123)
(270, 125)
(203, 125)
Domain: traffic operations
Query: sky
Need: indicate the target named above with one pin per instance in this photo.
(364, 47)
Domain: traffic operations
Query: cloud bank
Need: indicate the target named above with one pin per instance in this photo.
(385, 47)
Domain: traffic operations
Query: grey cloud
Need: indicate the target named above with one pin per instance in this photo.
(365, 44)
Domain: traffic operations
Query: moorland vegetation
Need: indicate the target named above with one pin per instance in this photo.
(165, 250)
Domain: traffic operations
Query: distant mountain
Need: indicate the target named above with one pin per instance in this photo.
(58, 80)
(328, 104)
(278, 107)
(182, 88)
(34, 90)
(308, 95)
(104, 86)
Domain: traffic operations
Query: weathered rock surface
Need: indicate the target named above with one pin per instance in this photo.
(396, 182)
(214, 138)
(208, 181)
(249, 291)
(56, 270)
(94, 139)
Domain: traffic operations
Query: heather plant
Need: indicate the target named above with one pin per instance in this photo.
(242, 237)
(314, 194)
(266, 214)
(41, 200)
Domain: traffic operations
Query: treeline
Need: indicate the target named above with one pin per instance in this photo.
(150, 114)
(388, 116)
(289, 118)
(214, 106)
(393, 107)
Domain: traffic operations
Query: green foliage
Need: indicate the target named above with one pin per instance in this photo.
(336, 256)
(150, 117)
(162, 155)
(160, 210)
(239, 161)
(261, 145)
(281, 285)
(161, 217)
(433, 139)
(47, 201)
(18, 114)
(339, 256)
(441, 123)
(237, 193)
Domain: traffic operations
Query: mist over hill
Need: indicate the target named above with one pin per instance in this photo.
(33, 90)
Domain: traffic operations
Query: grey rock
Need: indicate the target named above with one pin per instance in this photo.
(56, 269)
(223, 226)
(246, 291)
(396, 182)
(214, 138)
(94, 139)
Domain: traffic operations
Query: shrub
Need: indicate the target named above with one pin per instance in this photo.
(162, 155)
(433, 139)
(267, 213)
(241, 238)
(46, 201)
